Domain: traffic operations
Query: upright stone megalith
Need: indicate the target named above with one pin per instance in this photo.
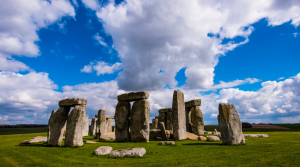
(108, 125)
(230, 125)
(122, 121)
(178, 115)
(57, 125)
(154, 123)
(75, 125)
(93, 126)
(163, 131)
(197, 120)
(49, 125)
(102, 123)
(85, 130)
(139, 121)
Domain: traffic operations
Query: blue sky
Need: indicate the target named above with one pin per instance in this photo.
(246, 54)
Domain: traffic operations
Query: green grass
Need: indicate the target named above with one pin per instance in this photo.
(282, 148)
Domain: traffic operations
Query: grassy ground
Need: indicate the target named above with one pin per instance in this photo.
(282, 148)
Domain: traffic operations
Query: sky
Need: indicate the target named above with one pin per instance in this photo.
(241, 52)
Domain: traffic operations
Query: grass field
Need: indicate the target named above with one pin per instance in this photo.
(282, 148)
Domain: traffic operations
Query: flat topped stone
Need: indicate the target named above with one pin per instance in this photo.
(110, 117)
(165, 110)
(192, 103)
(133, 96)
(71, 102)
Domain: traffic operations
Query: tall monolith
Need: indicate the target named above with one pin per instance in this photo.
(102, 123)
(197, 120)
(178, 115)
(122, 121)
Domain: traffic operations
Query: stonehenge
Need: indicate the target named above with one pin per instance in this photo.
(136, 119)
(101, 127)
(194, 116)
(178, 116)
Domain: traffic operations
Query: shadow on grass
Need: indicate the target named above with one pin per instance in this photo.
(34, 145)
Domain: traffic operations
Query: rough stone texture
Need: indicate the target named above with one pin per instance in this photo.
(133, 96)
(131, 152)
(168, 124)
(103, 150)
(256, 135)
(75, 124)
(102, 123)
(213, 138)
(91, 142)
(192, 136)
(110, 117)
(35, 140)
(85, 130)
(202, 138)
(139, 121)
(162, 117)
(57, 125)
(97, 132)
(108, 136)
(188, 121)
(197, 121)
(154, 133)
(230, 125)
(165, 110)
(193, 103)
(166, 143)
(93, 126)
(171, 134)
(108, 125)
(154, 123)
(163, 131)
(216, 133)
(71, 102)
(178, 115)
(49, 125)
(122, 121)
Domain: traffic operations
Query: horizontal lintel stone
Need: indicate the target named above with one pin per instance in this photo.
(110, 117)
(193, 103)
(133, 96)
(165, 110)
(71, 102)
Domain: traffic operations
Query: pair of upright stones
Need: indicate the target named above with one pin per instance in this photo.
(101, 124)
(132, 124)
(194, 117)
(74, 125)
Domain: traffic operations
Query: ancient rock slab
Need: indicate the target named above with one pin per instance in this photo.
(256, 135)
(168, 124)
(139, 121)
(213, 138)
(71, 102)
(163, 131)
(93, 126)
(108, 125)
(35, 140)
(164, 110)
(122, 122)
(110, 117)
(131, 152)
(102, 122)
(178, 115)
(197, 120)
(57, 126)
(166, 143)
(192, 136)
(162, 117)
(230, 125)
(216, 133)
(154, 133)
(91, 142)
(75, 125)
(49, 125)
(103, 150)
(108, 136)
(133, 96)
(202, 138)
(85, 129)
(188, 119)
(155, 123)
(193, 103)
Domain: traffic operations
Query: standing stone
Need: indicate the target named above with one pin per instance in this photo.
(178, 115)
(139, 121)
(169, 125)
(230, 125)
(75, 125)
(49, 125)
(102, 123)
(85, 130)
(122, 121)
(57, 125)
(188, 119)
(108, 125)
(197, 120)
(93, 126)
(154, 123)
(163, 131)
(162, 116)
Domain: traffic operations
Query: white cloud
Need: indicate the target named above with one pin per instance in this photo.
(281, 78)
(101, 68)
(99, 39)
(214, 115)
(171, 35)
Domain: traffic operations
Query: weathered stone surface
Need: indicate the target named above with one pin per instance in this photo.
(85, 130)
(162, 117)
(103, 150)
(91, 142)
(178, 115)
(193, 103)
(213, 138)
(122, 121)
(154, 133)
(108, 125)
(166, 143)
(207, 132)
(75, 124)
(110, 117)
(154, 123)
(188, 119)
(216, 133)
(93, 126)
(71, 102)
(192, 136)
(133, 96)
(35, 140)
(256, 135)
(230, 125)
(131, 152)
(202, 138)
(139, 121)
(57, 125)
(197, 120)
(164, 110)
(97, 132)
(108, 136)
(49, 125)
(168, 124)
(102, 122)
(163, 131)
(171, 134)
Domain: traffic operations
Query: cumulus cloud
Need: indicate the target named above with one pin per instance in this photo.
(101, 68)
(156, 35)
(99, 39)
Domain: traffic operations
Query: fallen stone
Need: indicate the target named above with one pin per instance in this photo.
(193, 103)
(178, 116)
(166, 143)
(202, 138)
(197, 120)
(131, 152)
(140, 120)
(71, 102)
(57, 126)
(213, 138)
(35, 140)
(133, 96)
(207, 132)
(192, 136)
(216, 133)
(122, 122)
(256, 135)
(163, 131)
(91, 142)
(154, 133)
(230, 125)
(103, 150)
